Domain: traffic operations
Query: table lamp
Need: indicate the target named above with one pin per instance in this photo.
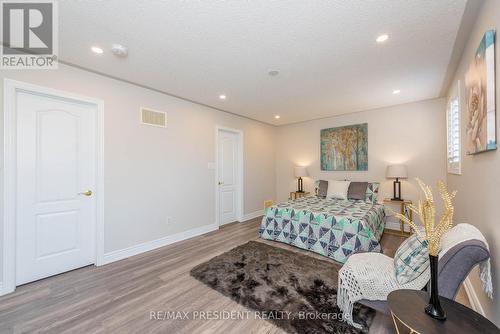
(396, 172)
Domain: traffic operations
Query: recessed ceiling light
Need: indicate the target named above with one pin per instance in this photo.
(396, 91)
(382, 38)
(97, 50)
(222, 97)
(277, 116)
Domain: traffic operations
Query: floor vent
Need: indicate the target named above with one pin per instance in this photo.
(153, 117)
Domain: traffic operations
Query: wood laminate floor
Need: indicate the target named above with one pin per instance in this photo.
(119, 297)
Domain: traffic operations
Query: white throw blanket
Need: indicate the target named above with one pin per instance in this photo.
(372, 276)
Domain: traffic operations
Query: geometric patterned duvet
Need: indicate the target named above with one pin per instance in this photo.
(330, 227)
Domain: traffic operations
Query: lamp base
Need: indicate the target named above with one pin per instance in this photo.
(397, 190)
(300, 186)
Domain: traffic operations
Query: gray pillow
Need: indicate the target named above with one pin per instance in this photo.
(322, 188)
(357, 190)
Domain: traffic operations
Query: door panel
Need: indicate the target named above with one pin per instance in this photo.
(56, 159)
(228, 176)
(62, 224)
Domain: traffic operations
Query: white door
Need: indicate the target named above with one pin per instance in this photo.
(228, 176)
(56, 173)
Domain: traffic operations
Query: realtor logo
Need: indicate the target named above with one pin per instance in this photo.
(29, 34)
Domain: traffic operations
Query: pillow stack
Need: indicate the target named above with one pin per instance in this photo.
(365, 191)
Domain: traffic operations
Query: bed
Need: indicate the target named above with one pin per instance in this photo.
(330, 227)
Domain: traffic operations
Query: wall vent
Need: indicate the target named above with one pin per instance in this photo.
(153, 117)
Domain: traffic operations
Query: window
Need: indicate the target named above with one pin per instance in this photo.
(453, 125)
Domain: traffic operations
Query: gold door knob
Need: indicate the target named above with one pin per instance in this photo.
(86, 193)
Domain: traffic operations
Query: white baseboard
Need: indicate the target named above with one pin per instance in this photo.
(251, 215)
(151, 245)
(471, 294)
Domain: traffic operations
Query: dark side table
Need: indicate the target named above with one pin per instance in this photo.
(407, 309)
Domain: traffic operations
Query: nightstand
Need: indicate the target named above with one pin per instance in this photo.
(296, 194)
(404, 210)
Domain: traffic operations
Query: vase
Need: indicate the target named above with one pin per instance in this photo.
(434, 308)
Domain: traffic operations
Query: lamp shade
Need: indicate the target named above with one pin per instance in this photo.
(300, 171)
(396, 171)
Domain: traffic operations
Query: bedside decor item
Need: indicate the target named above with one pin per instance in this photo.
(300, 172)
(480, 98)
(396, 172)
(432, 232)
(345, 148)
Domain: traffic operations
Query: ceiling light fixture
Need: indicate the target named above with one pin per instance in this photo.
(277, 116)
(222, 97)
(97, 50)
(396, 91)
(382, 38)
(273, 73)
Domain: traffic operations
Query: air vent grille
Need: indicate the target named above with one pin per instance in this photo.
(153, 117)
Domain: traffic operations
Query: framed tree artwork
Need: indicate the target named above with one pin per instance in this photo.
(480, 98)
(345, 148)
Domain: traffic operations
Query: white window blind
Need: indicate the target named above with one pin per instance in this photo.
(453, 118)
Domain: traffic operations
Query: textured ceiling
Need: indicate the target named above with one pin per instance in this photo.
(325, 50)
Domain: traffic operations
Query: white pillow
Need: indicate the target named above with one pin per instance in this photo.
(337, 189)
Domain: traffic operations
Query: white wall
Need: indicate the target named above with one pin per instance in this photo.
(412, 134)
(477, 201)
(154, 173)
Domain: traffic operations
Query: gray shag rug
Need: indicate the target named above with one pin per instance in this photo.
(296, 292)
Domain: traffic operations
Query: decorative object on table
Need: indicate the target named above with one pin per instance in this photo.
(368, 278)
(480, 98)
(266, 278)
(433, 232)
(296, 194)
(396, 172)
(345, 148)
(404, 210)
(300, 172)
(405, 306)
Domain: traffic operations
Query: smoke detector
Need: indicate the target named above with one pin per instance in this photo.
(273, 72)
(119, 50)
